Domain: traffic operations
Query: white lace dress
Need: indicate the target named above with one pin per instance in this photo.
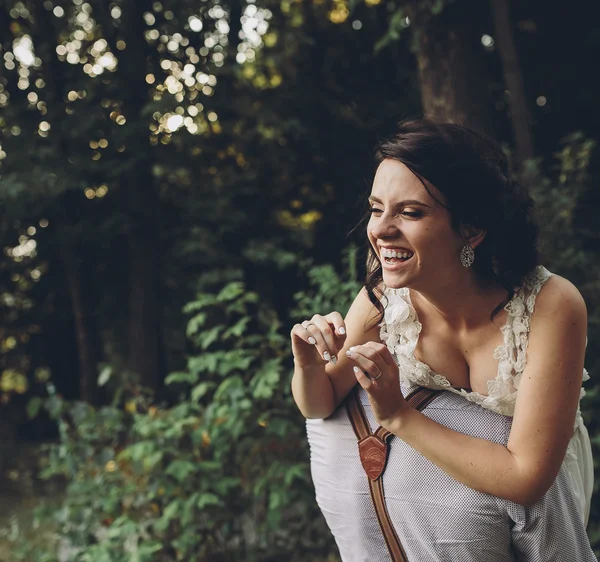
(400, 331)
(436, 517)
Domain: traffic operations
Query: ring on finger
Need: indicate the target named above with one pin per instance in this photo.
(377, 376)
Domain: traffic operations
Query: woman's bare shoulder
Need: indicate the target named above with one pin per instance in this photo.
(364, 314)
(559, 297)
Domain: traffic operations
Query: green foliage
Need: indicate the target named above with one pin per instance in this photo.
(221, 474)
(568, 246)
(558, 200)
(328, 290)
(399, 21)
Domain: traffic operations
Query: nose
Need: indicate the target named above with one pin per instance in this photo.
(384, 227)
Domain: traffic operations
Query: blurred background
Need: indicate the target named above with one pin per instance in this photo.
(180, 182)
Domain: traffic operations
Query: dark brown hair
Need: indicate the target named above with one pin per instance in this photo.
(472, 172)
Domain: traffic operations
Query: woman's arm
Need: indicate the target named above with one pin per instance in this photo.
(319, 387)
(544, 416)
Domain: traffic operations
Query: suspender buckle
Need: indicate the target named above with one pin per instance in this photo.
(373, 455)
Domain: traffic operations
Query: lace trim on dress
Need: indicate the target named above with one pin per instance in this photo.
(400, 331)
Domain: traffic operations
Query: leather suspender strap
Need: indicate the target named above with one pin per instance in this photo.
(373, 449)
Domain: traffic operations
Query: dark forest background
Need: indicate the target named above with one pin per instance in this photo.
(179, 184)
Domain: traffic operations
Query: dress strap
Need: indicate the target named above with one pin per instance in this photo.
(516, 331)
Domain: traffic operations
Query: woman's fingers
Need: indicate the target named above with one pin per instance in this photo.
(316, 334)
(363, 379)
(336, 320)
(366, 364)
(326, 339)
(304, 346)
(371, 359)
(300, 331)
(383, 351)
(326, 333)
(329, 337)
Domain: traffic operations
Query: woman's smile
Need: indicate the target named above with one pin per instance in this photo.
(394, 258)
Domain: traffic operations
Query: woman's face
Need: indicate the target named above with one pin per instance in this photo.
(410, 232)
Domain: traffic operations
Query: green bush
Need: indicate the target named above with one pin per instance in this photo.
(223, 473)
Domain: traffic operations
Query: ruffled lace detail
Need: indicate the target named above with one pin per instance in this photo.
(400, 331)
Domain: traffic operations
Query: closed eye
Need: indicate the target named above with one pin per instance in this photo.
(412, 214)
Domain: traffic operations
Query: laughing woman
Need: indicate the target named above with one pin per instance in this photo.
(496, 463)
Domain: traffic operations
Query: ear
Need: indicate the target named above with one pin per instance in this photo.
(472, 235)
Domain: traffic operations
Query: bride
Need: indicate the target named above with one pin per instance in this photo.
(498, 465)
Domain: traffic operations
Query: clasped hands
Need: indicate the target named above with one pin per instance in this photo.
(322, 337)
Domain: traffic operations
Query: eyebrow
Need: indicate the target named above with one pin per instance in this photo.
(401, 204)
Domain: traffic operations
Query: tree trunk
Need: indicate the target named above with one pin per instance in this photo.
(82, 302)
(145, 347)
(450, 66)
(143, 208)
(85, 327)
(513, 77)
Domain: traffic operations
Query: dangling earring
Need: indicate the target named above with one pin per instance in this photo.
(467, 256)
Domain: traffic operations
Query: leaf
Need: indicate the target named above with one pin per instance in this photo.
(225, 484)
(237, 360)
(195, 323)
(230, 387)
(172, 508)
(393, 33)
(202, 301)
(187, 513)
(168, 513)
(146, 549)
(207, 362)
(34, 406)
(231, 291)
(437, 7)
(264, 383)
(210, 466)
(200, 390)
(152, 460)
(208, 499)
(238, 328)
(276, 499)
(105, 375)
(208, 337)
(180, 469)
(297, 471)
(137, 451)
(182, 376)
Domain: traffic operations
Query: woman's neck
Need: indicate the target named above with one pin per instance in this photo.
(463, 301)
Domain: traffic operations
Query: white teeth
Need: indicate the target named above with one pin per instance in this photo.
(387, 253)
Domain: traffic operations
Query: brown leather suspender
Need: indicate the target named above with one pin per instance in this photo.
(373, 449)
